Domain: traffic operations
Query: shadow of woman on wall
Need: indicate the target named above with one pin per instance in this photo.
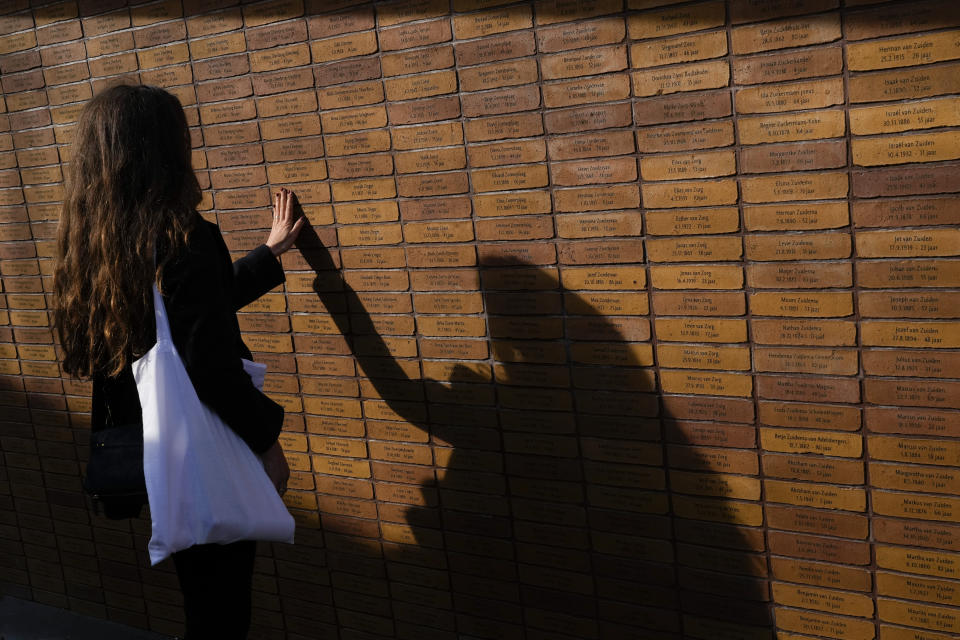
(524, 481)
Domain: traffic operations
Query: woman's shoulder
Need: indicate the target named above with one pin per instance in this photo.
(204, 244)
(204, 235)
(204, 251)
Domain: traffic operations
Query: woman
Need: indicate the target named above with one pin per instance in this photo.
(129, 220)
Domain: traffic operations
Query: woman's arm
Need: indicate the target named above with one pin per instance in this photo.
(260, 270)
(253, 275)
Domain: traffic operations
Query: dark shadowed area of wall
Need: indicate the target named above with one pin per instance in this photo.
(616, 319)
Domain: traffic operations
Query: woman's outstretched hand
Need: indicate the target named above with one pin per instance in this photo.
(286, 225)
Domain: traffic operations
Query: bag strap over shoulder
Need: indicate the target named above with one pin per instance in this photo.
(160, 315)
(159, 310)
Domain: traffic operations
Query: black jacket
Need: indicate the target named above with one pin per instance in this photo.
(202, 293)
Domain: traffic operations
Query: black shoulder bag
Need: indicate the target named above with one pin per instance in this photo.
(114, 477)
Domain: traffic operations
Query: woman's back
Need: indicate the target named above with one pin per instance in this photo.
(201, 293)
(129, 222)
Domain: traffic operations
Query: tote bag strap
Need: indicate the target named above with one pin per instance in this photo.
(160, 314)
(159, 310)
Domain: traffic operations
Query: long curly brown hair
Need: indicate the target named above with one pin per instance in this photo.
(131, 194)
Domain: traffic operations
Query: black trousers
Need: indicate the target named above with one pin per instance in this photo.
(215, 581)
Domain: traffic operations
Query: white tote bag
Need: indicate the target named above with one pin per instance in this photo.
(204, 484)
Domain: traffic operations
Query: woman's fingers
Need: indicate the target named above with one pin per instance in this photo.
(283, 204)
(285, 224)
(288, 206)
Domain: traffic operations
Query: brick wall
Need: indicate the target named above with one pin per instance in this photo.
(637, 319)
